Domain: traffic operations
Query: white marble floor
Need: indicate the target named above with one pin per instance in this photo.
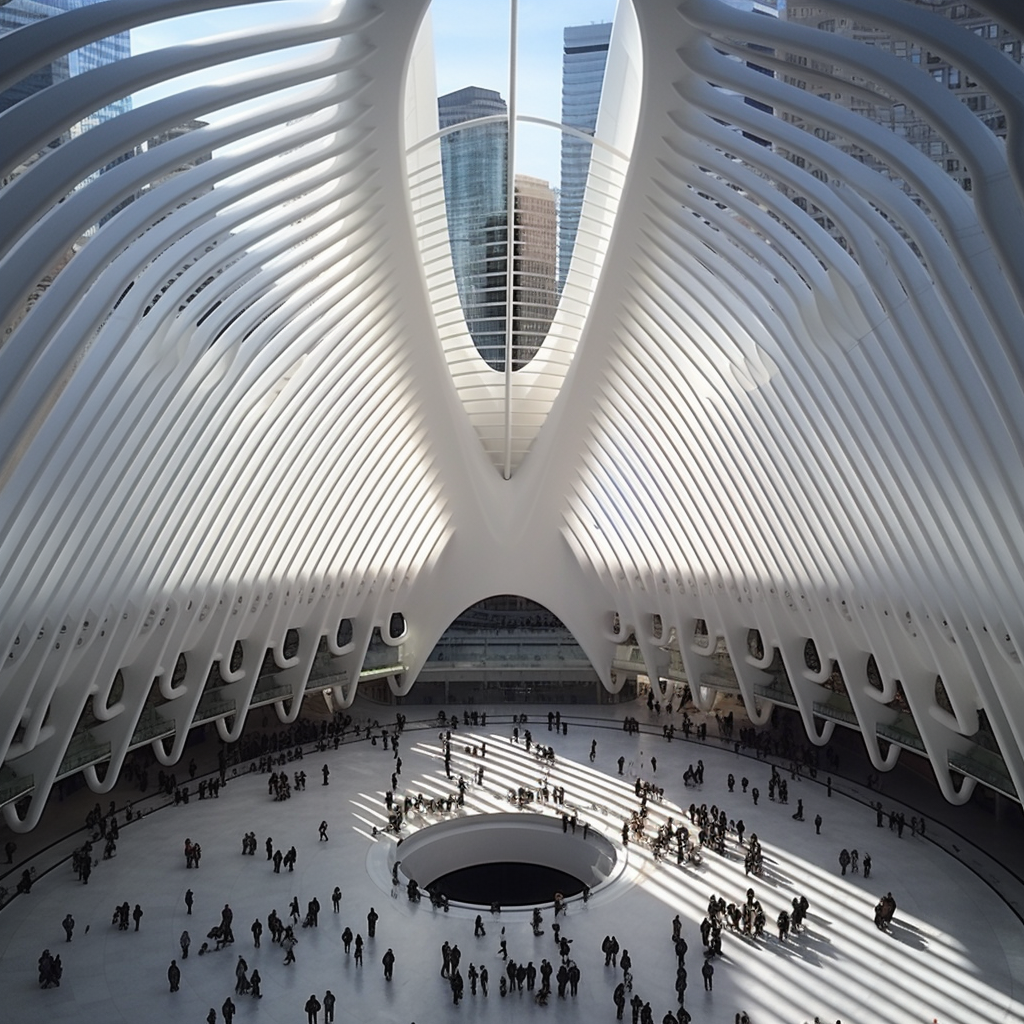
(955, 954)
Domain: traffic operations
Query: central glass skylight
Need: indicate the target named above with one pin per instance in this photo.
(519, 90)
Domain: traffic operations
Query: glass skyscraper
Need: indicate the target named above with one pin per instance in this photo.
(585, 54)
(94, 55)
(474, 170)
(15, 15)
(18, 13)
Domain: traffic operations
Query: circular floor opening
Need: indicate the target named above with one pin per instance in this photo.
(506, 883)
(509, 859)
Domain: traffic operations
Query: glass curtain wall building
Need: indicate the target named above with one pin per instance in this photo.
(585, 55)
(15, 15)
(474, 164)
(95, 55)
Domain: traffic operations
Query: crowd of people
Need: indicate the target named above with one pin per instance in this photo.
(649, 824)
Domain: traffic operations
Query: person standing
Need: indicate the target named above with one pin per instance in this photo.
(329, 1002)
(483, 980)
(257, 931)
(189, 897)
(336, 899)
(137, 916)
(817, 824)
(371, 923)
(326, 773)
(228, 1009)
(254, 985)
(388, 960)
(174, 975)
(69, 926)
(358, 955)
(241, 977)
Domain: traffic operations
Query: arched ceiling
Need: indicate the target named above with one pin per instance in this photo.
(792, 403)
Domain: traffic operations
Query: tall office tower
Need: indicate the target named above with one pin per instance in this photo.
(584, 56)
(534, 296)
(534, 293)
(901, 119)
(14, 15)
(95, 55)
(473, 169)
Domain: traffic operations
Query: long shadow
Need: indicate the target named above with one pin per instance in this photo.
(908, 935)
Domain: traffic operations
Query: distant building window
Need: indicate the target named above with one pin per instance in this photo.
(954, 78)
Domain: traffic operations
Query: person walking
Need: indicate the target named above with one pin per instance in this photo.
(137, 916)
(708, 971)
(388, 960)
(228, 1010)
(312, 1003)
(844, 859)
(189, 899)
(371, 923)
(254, 985)
(323, 831)
(174, 975)
(184, 941)
(69, 926)
(817, 824)
(329, 1002)
(288, 944)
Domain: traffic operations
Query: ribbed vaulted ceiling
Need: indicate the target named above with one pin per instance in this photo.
(790, 399)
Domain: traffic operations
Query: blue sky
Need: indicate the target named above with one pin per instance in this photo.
(471, 45)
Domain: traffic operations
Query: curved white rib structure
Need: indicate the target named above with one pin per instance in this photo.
(234, 422)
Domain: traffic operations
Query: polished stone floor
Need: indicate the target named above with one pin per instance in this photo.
(955, 954)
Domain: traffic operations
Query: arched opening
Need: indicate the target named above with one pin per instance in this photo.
(507, 649)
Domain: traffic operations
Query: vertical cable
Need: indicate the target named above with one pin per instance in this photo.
(510, 217)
